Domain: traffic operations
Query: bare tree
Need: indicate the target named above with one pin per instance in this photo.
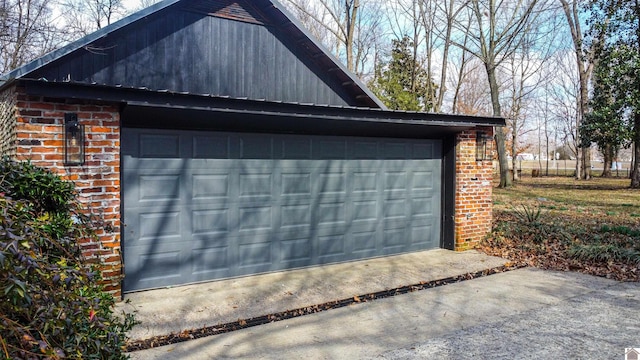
(349, 22)
(315, 21)
(525, 76)
(143, 4)
(461, 71)
(564, 103)
(429, 23)
(585, 66)
(83, 17)
(545, 127)
(449, 10)
(472, 96)
(496, 32)
(26, 32)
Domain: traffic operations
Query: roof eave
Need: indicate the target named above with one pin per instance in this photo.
(145, 97)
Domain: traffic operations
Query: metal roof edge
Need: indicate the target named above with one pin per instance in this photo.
(84, 41)
(282, 9)
(275, 113)
(146, 97)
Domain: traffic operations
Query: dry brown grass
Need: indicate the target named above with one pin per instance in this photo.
(600, 200)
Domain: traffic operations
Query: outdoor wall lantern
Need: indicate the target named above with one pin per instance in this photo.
(483, 150)
(73, 140)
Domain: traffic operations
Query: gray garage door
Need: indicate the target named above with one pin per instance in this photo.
(210, 205)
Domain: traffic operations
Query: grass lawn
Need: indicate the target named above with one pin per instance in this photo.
(560, 223)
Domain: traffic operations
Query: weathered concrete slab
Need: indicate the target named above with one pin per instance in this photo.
(172, 310)
(526, 311)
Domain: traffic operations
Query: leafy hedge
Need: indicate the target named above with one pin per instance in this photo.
(51, 302)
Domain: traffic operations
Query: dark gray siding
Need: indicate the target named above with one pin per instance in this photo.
(184, 51)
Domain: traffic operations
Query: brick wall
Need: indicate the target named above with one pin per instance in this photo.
(8, 122)
(473, 214)
(39, 135)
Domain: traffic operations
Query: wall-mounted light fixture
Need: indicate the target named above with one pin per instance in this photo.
(483, 150)
(73, 140)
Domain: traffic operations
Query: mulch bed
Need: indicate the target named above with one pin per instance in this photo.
(520, 247)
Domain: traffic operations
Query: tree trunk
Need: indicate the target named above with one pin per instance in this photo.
(351, 14)
(607, 153)
(635, 173)
(586, 163)
(505, 180)
(578, 173)
(514, 159)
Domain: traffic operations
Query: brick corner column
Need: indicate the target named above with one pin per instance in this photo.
(473, 198)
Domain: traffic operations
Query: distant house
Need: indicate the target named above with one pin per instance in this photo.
(526, 157)
(215, 138)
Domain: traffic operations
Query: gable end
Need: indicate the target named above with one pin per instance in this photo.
(228, 9)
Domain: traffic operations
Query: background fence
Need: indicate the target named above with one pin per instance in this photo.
(565, 168)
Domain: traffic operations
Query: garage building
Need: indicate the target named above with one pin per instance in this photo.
(211, 139)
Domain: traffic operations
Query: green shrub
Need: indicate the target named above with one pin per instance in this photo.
(620, 229)
(603, 253)
(528, 214)
(51, 302)
(41, 188)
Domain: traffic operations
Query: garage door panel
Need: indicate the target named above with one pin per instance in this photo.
(394, 238)
(159, 187)
(256, 256)
(422, 235)
(364, 182)
(211, 260)
(396, 150)
(256, 147)
(256, 185)
(423, 180)
(422, 207)
(365, 242)
(295, 148)
(159, 146)
(333, 215)
(210, 221)
(295, 185)
(364, 150)
(331, 247)
(255, 219)
(209, 187)
(211, 147)
(423, 151)
(236, 204)
(365, 211)
(329, 149)
(296, 250)
(151, 227)
(332, 183)
(295, 217)
(147, 268)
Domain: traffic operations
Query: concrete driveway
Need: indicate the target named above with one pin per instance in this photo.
(526, 313)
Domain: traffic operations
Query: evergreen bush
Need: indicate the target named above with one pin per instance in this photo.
(52, 303)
